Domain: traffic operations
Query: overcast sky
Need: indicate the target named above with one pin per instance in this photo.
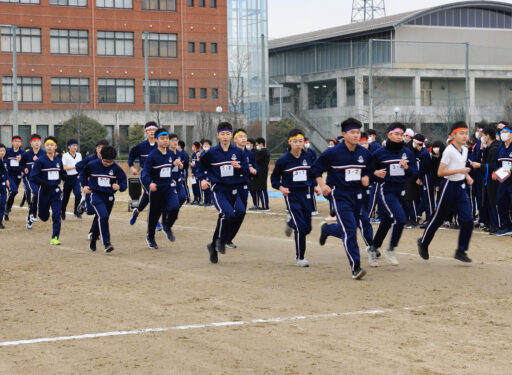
(289, 17)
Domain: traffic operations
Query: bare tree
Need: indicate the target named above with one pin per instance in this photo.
(237, 86)
(507, 109)
(205, 125)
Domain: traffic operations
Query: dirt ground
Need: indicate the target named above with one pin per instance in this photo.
(435, 317)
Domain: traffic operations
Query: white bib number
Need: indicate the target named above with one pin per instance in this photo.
(104, 181)
(353, 174)
(175, 168)
(53, 175)
(300, 175)
(15, 163)
(507, 164)
(396, 170)
(226, 171)
(165, 172)
(193, 180)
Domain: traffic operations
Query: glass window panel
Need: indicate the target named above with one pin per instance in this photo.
(42, 130)
(101, 47)
(153, 48)
(500, 20)
(479, 18)
(84, 94)
(54, 45)
(55, 94)
(433, 19)
(121, 97)
(73, 46)
(456, 17)
(493, 19)
(119, 47)
(508, 21)
(83, 47)
(130, 95)
(471, 17)
(109, 47)
(449, 17)
(486, 16)
(128, 48)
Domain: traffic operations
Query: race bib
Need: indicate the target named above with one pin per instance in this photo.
(506, 164)
(53, 175)
(226, 171)
(15, 163)
(165, 172)
(353, 174)
(104, 181)
(300, 175)
(193, 180)
(396, 170)
(176, 168)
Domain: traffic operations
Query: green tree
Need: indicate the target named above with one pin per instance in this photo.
(135, 134)
(84, 129)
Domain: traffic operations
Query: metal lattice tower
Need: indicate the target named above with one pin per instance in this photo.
(364, 10)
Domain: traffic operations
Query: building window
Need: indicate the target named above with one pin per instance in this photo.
(351, 91)
(213, 47)
(322, 94)
(201, 3)
(70, 90)
(115, 43)
(203, 93)
(119, 4)
(215, 93)
(169, 5)
(191, 47)
(69, 42)
(24, 131)
(426, 93)
(163, 91)
(71, 3)
(162, 45)
(190, 3)
(116, 91)
(202, 47)
(213, 3)
(192, 93)
(20, 1)
(29, 89)
(42, 130)
(27, 40)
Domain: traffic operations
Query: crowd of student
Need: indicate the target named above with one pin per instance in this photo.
(399, 182)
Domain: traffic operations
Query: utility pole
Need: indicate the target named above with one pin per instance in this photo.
(263, 97)
(370, 82)
(14, 79)
(146, 73)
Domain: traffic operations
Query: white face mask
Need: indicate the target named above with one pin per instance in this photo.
(371, 139)
(258, 147)
(505, 136)
(484, 145)
(477, 135)
(205, 149)
(306, 146)
(330, 146)
(436, 150)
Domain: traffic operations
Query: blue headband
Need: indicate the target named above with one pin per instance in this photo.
(349, 128)
(507, 129)
(162, 133)
(224, 130)
(72, 144)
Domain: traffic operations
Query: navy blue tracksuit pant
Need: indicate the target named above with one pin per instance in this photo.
(72, 184)
(393, 215)
(14, 183)
(28, 190)
(207, 196)
(348, 210)
(299, 206)
(31, 190)
(163, 202)
(505, 203)
(243, 195)
(263, 199)
(196, 190)
(101, 204)
(231, 211)
(50, 197)
(453, 195)
(3, 201)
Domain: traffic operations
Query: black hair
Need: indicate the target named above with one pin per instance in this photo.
(2, 146)
(396, 125)
(108, 153)
(207, 141)
(15, 137)
(181, 144)
(150, 123)
(306, 139)
(350, 123)
(173, 135)
(160, 131)
(504, 123)
(224, 125)
(197, 144)
(364, 135)
(50, 138)
(419, 137)
(371, 132)
(240, 130)
(439, 144)
(293, 133)
(262, 140)
(35, 135)
(490, 131)
(251, 140)
(71, 141)
(457, 125)
(102, 142)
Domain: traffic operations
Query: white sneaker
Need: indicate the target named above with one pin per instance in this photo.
(89, 236)
(287, 228)
(33, 218)
(330, 218)
(314, 213)
(301, 263)
(372, 257)
(391, 258)
(28, 223)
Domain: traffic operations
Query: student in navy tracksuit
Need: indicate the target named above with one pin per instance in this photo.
(184, 171)
(504, 162)
(46, 173)
(452, 195)
(307, 148)
(240, 139)
(207, 194)
(71, 184)
(194, 163)
(4, 183)
(292, 177)
(80, 166)
(177, 169)
(220, 170)
(347, 165)
(141, 152)
(392, 166)
(27, 161)
(101, 179)
(13, 156)
(157, 177)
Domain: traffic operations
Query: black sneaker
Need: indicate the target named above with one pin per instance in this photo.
(6, 216)
(28, 223)
(151, 243)
(358, 273)
(77, 215)
(108, 247)
(323, 236)
(169, 235)
(92, 244)
(422, 249)
(2, 226)
(253, 208)
(220, 246)
(377, 253)
(423, 225)
(63, 215)
(230, 245)
(461, 255)
(213, 253)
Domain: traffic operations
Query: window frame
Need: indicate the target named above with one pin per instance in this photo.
(159, 5)
(83, 83)
(106, 38)
(114, 4)
(22, 33)
(58, 38)
(105, 84)
(157, 41)
(67, 3)
(23, 83)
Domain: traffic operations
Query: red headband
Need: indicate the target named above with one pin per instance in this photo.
(458, 130)
(31, 139)
(363, 139)
(16, 139)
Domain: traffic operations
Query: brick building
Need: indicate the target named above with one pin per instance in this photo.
(88, 56)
